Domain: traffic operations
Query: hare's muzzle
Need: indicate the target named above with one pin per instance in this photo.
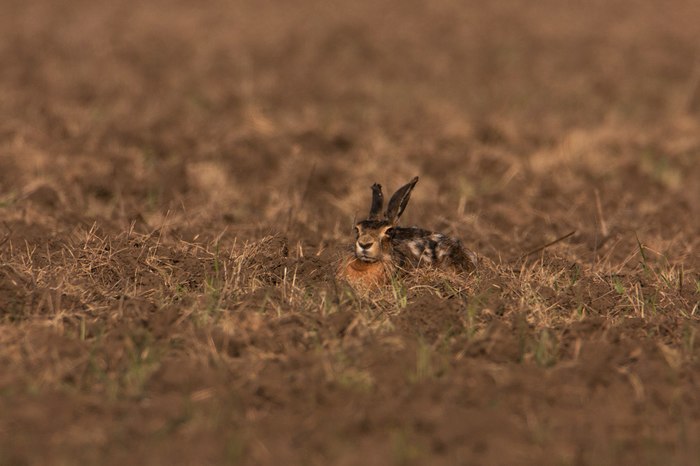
(367, 248)
(365, 245)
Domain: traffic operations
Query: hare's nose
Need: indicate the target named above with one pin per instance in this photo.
(365, 245)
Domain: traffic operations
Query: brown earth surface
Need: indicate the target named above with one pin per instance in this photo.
(179, 180)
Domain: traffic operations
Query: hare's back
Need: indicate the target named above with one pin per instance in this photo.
(416, 246)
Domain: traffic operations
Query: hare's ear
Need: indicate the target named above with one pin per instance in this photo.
(377, 202)
(399, 200)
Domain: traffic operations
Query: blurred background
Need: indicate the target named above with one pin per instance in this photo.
(524, 121)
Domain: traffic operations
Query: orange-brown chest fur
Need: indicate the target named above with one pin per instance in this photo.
(357, 272)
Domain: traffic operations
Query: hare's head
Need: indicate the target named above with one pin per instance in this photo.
(374, 234)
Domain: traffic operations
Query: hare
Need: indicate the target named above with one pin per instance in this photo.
(381, 246)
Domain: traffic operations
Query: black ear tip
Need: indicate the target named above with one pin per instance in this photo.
(414, 180)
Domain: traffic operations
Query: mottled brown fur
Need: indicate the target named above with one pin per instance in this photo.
(365, 274)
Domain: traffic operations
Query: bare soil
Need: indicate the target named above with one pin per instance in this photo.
(178, 181)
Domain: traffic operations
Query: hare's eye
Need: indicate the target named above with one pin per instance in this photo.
(389, 231)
